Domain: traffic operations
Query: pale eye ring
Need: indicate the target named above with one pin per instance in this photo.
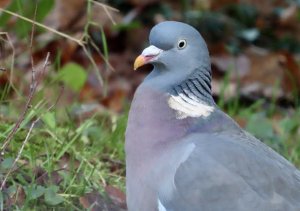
(181, 44)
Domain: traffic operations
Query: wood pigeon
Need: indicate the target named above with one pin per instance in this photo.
(182, 152)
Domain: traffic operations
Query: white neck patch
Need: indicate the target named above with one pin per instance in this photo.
(192, 109)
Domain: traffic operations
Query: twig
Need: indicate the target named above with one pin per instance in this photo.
(79, 42)
(106, 9)
(27, 138)
(109, 16)
(102, 56)
(18, 156)
(33, 87)
(94, 64)
(105, 6)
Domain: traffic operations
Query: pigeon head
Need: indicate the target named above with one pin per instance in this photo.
(181, 68)
(174, 46)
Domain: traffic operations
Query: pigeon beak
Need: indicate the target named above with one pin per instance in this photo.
(148, 55)
(139, 61)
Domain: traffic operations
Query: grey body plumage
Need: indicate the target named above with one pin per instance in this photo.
(185, 153)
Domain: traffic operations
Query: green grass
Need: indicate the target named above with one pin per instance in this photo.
(281, 130)
(63, 161)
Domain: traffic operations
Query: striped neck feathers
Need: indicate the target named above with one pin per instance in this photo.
(193, 97)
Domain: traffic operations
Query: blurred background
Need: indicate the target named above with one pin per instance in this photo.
(67, 80)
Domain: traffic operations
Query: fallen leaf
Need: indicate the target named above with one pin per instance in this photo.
(240, 64)
(4, 3)
(257, 73)
(94, 201)
(66, 162)
(45, 178)
(17, 197)
(116, 195)
(291, 80)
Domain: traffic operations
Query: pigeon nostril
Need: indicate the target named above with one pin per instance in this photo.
(149, 57)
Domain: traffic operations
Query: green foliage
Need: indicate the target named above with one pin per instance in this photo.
(34, 191)
(282, 134)
(49, 119)
(51, 196)
(264, 129)
(73, 75)
(6, 163)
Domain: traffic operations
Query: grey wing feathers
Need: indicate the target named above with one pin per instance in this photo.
(226, 173)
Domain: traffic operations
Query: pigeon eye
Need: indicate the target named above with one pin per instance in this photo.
(181, 44)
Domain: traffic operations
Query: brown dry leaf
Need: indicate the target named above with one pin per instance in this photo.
(124, 76)
(241, 121)
(89, 93)
(115, 100)
(241, 63)
(116, 195)
(258, 73)
(291, 81)
(17, 198)
(4, 3)
(121, 83)
(43, 177)
(68, 50)
(266, 73)
(273, 68)
(66, 162)
(96, 202)
(92, 201)
(64, 47)
(4, 79)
